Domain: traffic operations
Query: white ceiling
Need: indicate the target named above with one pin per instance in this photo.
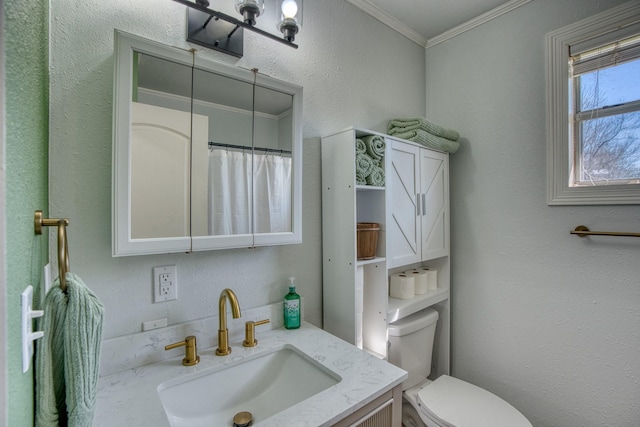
(422, 20)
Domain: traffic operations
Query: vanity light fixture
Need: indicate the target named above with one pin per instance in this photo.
(217, 30)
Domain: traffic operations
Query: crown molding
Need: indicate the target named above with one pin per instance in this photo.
(476, 22)
(403, 29)
(389, 20)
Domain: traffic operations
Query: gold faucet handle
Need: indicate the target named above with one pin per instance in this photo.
(250, 332)
(191, 350)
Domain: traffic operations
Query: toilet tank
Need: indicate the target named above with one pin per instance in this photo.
(411, 345)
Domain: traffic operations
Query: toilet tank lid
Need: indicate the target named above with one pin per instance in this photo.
(413, 323)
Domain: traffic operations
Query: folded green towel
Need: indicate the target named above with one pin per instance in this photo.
(375, 146)
(431, 141)
(68, 356)
(415, 123)
(361, 148)
(376, 177)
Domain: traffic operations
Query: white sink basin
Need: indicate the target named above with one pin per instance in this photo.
(262, 386)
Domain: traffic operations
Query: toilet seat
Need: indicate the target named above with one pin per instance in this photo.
(450, 402)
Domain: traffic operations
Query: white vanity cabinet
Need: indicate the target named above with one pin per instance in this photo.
(413, 212)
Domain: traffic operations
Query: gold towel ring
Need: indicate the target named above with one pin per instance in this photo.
(63, 248)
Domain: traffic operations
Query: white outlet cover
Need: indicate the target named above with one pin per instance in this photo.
(167, 288)
(154, 324)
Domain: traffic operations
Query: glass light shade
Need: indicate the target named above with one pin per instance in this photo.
(290, 20)
(250, 9)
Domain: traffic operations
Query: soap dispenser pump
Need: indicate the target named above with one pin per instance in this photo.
(292, 307)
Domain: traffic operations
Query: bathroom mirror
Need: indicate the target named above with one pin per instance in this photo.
(206, 156)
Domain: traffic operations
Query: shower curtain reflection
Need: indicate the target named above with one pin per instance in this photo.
(230, 192)
(272, 183)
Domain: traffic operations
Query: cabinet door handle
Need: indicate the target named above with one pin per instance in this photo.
(418, 204)
(424, 204)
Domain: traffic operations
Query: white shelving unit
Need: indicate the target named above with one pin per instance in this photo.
(356, 302)
(399, 308)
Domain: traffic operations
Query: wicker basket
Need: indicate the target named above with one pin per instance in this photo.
(367, 239)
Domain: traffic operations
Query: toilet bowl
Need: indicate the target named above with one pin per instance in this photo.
(446, 401)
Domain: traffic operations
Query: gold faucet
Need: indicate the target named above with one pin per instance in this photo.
(191, 350)
(223, 333)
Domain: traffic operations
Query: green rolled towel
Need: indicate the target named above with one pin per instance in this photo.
(363, 170)
(376, 177)
(431, 141)
(408, 124)
(68, 356)
(361, 148)
(375, 146)
(364, 166)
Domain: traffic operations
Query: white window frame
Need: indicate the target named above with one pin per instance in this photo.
(624, 19)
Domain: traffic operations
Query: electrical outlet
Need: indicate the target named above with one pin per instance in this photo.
(165, 283)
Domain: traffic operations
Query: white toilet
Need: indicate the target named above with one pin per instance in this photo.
(446, 401)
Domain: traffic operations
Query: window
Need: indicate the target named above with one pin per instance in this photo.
(593, 110)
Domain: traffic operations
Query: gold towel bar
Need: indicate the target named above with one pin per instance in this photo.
(583, 231)
(63, 248)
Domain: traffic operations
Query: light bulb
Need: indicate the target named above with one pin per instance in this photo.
(290, 18)
(289, 8)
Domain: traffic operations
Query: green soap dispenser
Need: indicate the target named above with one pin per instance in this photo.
(292, 307)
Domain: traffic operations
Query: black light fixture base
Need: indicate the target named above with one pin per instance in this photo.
(214, 33)
(219, 31)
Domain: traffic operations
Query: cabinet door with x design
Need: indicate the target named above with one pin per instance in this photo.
(418, 216)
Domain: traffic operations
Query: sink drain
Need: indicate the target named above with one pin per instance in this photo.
(242, 419)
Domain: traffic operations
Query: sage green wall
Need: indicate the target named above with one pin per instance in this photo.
(26, 120)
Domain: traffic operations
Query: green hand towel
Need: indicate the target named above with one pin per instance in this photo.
(361, 148)
(49, 362)
(431, 141)
(68, 358)
(375, 146)
(424, 124)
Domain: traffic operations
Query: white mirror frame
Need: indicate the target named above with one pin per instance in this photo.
(122, 243)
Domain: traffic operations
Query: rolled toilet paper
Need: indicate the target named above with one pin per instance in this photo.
(401, 286)
(421, 280)
(432, 278)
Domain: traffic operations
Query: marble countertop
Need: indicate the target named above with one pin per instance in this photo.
(130, 398)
